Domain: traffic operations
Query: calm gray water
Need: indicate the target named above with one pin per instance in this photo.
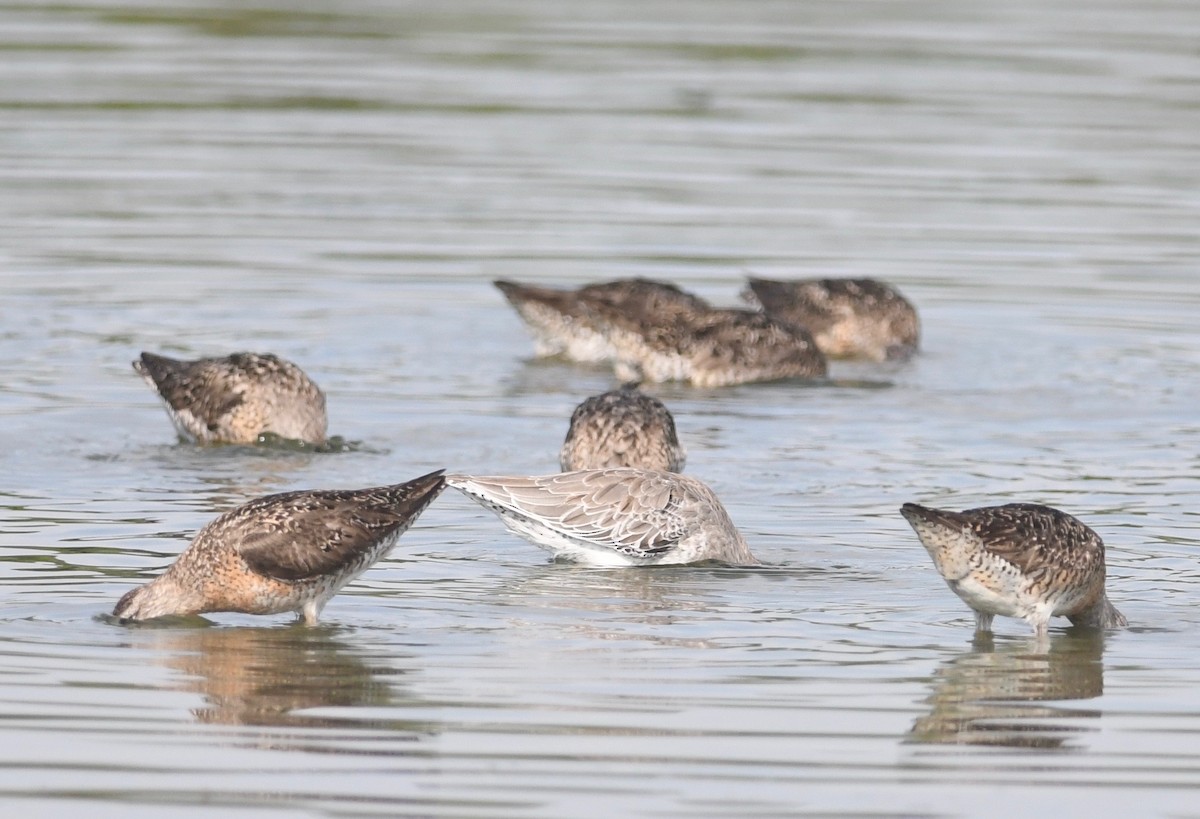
(339, 187)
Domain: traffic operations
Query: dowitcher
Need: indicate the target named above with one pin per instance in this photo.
(571, 323)
(1018, 560)
(623, 427)
(848, 318)
(654, 331)
(287, 552)
(613, 517)
(713, 348)
(237, 398)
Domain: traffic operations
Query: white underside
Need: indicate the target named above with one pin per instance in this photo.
(580, 344)
(325, 589)
(565, 547)
(654, 367)
(188, 425)
(1007, 604)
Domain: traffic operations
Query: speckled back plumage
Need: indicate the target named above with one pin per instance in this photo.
(237, 398)
(654, 331)
(1019, 560)
(848, 318)
(622, 427)
(713, 348)
(647, 299)
(613, 517)
(572, 323)
(285, 552)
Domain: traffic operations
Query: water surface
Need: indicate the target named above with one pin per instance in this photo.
(340, 186)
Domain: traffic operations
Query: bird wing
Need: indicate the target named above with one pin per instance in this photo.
(1035, 538)
(301, 535)
(636, 512)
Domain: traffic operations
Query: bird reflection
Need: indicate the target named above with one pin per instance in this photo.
(617, 605)
(270, 676)
(984, 697)
(233, 474)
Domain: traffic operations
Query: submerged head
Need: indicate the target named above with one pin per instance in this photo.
(158, 598)
(1102, 614)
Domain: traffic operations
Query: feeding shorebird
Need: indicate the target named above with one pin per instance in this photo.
(715, 348)
(287, 552)
(848, 318)
(1018, 560)
(568, 322)
(613, 517)
(654, 331)
(623, 427)
(237, 398)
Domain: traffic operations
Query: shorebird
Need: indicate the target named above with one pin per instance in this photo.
(287, 552)
(1018, 560)
(237, 398)
(571, 323)
(713, 348)
(654, 331)
(848, 318)
(623, 427)
(613, 517)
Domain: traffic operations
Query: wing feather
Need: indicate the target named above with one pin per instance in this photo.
(1036, 538)
(636, 512)
(300, 535)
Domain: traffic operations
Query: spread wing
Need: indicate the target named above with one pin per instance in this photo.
(636, 512)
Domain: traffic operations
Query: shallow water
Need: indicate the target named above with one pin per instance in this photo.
(340, 187)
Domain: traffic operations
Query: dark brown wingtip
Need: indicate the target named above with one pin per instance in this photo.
(768, 292)
(519, 295)
(420, 492)
(155, 367)
(511, 290)
(430, 478)
(914, 513)
(757, 283)
(145, 363)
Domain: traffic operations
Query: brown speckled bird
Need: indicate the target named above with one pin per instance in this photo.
(848, 318)
(571, 323)
(713, 348)
(623, 427)
(613, 517)
(287, 552)
(653, 331)
(237, 398)
(1018, 560)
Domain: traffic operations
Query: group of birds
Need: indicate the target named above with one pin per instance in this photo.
(621, 499)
